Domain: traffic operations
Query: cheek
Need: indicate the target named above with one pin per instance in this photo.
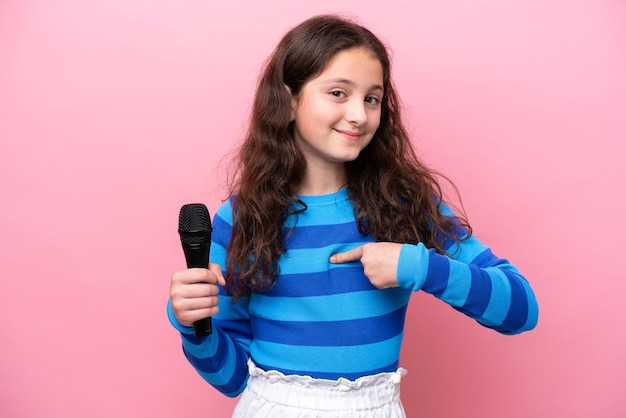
(374, 121)
(323, 116)
(308, 110)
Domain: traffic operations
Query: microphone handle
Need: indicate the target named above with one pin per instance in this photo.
(203, 327)
(197, 256)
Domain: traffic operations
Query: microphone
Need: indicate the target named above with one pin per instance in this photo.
(194, 228)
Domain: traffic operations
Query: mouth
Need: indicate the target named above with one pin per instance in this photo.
(350, 135)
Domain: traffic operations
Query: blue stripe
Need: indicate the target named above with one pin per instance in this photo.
(221, 231)
(229, 310)
(486, 259)
(480, 292)
(204, 362)
(217, 254)
(331, 333)
(225, 211)
(311, 260)
(438, 272)
(516, 318)
(339, 211)
(224, 372)
(234, 384)
(457, 295)
(500, 301)
(449, 244)
(304, 260)
(328, 308)
(337, 280)
(300, 237)
(470, 251)
(314, 360)
(238, 329)
(533, 308)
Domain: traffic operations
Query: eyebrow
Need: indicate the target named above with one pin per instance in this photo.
(352, 83)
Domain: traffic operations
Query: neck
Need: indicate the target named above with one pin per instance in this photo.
(322, 180)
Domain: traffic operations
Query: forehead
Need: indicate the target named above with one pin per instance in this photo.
(358, 65)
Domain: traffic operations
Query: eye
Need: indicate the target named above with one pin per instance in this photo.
(338, 94)
(372, 100)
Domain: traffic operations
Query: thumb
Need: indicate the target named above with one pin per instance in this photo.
(347, 256)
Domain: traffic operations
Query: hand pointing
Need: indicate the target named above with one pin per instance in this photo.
(379, 260)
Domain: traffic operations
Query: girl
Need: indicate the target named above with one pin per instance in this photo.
(332, 223)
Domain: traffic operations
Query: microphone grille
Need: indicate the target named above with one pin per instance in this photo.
(194, 223)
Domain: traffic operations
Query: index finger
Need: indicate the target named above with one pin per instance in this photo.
(195, 275)
(347, 256)
(217, 270)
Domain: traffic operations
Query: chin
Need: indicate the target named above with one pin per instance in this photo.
(347, 158)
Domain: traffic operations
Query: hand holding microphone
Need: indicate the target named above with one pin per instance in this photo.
(193, 292)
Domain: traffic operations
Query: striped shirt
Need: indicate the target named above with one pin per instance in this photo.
(327, 320)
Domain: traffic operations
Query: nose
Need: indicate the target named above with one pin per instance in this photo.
(356, 112)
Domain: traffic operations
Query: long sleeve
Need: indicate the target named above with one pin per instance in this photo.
(474, 281)
(220, 358)
(327, 320)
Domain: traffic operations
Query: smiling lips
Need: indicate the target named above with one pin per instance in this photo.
(352, 136)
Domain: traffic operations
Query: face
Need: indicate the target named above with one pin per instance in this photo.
(337, 113)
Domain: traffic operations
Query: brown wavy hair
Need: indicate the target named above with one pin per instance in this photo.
(396, 197)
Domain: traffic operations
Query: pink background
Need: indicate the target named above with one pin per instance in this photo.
(114, 114)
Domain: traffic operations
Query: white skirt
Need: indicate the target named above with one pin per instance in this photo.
(271, 394)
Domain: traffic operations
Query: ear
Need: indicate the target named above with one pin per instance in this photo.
(292, 113)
